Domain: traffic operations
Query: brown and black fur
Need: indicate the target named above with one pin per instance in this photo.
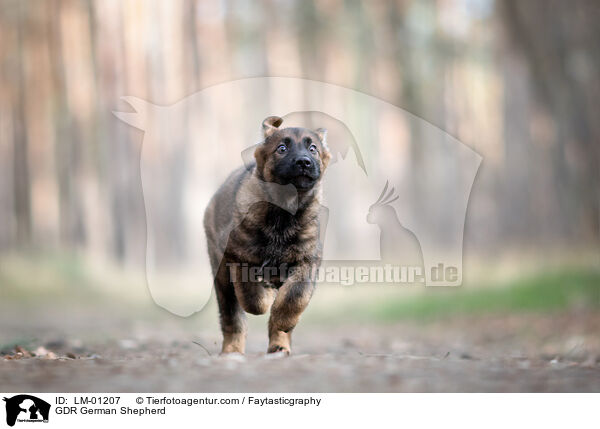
(267, 215)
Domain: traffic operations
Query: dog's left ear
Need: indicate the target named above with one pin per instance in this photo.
(322, 134)
(270, 125)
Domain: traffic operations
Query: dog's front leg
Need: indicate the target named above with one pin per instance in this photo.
(292, 298)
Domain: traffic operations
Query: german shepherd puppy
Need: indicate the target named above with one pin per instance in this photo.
(265, 219)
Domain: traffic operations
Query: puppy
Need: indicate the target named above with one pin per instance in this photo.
(264, 220)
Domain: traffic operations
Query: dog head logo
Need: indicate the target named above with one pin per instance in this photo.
(26, 408)
(190, 147)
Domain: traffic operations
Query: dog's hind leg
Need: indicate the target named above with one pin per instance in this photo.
(232, 317)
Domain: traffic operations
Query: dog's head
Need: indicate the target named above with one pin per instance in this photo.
(292, 155)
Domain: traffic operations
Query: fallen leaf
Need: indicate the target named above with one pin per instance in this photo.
(24, 352)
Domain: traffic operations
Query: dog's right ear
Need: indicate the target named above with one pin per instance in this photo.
(270, 125)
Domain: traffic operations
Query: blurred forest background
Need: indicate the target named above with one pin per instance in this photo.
(517, 81)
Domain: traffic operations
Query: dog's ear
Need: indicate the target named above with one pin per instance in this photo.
(322, 134)
(270, 125)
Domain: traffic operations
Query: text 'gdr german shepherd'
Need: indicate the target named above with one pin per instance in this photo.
(265, 219)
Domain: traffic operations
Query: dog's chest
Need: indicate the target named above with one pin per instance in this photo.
(278, 241)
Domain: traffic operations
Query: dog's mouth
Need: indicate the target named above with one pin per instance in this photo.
(304, 182)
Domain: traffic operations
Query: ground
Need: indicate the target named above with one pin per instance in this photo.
(557, 352)
(62, 330)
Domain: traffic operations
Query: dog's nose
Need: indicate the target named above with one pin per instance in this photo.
(304, 161)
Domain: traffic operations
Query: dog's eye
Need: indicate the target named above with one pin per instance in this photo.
(313, 149)
(281, 148)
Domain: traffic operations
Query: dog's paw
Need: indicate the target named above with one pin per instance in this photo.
(276, 348)
(234, 356)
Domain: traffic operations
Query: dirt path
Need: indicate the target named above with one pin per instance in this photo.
(550, 353)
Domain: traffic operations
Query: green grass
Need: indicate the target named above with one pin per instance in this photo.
(65, 280)
(564, 289)
(556, 291)
(9, 346)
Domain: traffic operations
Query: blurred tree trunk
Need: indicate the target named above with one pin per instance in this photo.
(560, 42)
(68, 145)
(21, 182)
